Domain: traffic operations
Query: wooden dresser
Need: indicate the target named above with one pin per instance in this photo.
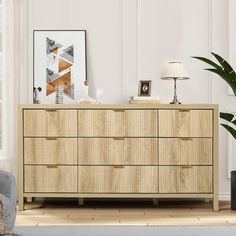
(118, 151)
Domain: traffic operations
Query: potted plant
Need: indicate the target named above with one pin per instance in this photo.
(227, 73)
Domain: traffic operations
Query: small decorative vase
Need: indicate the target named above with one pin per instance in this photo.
(36, 93)
(59, 94)
(86, 99)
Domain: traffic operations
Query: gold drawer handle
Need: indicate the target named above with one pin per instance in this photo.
(50, 110)
(51, 166)
(118, 138)
(186, 139)
(186, 167)
(51, 138)
(119, 167)
(119, 110)
(184, 110)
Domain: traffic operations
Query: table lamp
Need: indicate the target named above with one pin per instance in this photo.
(174, 71)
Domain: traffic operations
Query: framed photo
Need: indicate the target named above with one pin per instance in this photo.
(59, 60)
(144, 88)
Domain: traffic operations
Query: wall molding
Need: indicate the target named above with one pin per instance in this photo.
(139, 40)
(232, 31)
(224, 196)
(124, 19)
(30, 24)
(232, 36)
(232, 60)
(130, 53)
(211, 83)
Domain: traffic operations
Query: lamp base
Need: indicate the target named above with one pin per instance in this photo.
(175, 101)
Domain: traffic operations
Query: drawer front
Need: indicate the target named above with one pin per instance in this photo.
(117, 123)
(185, 179)
(118, 151)
(50, 151)
(185, 123)
(109, 179)
(39, 179)
(185, 151)
(46, 123)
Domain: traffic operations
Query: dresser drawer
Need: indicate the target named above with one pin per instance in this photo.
(50, 151)
(117, 123)
(118, 179)
(51, 179)
(50, 122)
(185, 123)
(185, 179)
(118, 151)
(185, 151)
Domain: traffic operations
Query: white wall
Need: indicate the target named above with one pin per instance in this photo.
(128, 40)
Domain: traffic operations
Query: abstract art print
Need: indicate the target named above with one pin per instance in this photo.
(60, 60)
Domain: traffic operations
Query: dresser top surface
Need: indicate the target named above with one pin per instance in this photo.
(118, 106)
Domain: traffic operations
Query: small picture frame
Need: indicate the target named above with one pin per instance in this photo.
(144, 88)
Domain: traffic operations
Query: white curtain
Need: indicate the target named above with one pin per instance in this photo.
(16, 76)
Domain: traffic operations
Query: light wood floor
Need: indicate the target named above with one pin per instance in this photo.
(124, 213)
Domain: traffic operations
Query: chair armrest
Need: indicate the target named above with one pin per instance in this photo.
(8, 186)
(8, 197)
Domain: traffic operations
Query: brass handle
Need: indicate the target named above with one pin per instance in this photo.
(184, 110)
(118, 138)
(51, 138)
(186, 167)
(119, 110)
(119, 167)
(187, 139)
(51, 166)
(50, 110)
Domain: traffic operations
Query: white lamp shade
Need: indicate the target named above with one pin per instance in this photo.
(174, 70)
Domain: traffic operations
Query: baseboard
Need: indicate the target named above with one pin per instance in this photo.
(224, 196)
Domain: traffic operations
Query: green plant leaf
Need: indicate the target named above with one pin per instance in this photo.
(227, 73)
(208, 61)
(227, 77)
(226, 116)
(233, 122)
(230, 129)
(224, 63)
(224, 70)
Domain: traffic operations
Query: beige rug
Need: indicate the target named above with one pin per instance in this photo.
(127, 231)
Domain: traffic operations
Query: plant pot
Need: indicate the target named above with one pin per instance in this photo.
(233, 190)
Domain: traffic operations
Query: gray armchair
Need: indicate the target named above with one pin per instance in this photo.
(7, 201)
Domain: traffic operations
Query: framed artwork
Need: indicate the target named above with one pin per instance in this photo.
(144, 88)
(59, 60)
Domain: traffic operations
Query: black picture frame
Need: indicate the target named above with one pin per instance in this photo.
(144, 88)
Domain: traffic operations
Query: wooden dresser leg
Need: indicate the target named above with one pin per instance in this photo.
(207, 200)
(29, 199)
(81, 201)
(155, 202)
(215, 204)
(21, 204)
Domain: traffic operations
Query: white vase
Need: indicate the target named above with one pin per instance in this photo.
(59, 94)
